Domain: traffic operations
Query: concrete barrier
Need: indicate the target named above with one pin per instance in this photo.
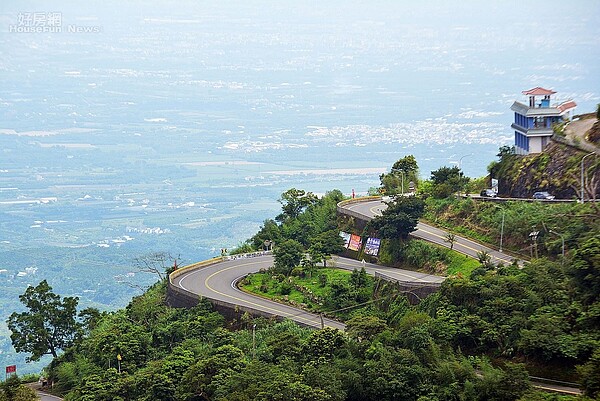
(178, 297)
(415, 290)
(342, 210)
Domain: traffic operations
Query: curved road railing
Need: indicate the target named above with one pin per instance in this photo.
(216, 280)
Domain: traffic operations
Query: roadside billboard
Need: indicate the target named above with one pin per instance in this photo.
(346, 238)
(355, 242)
(372, 246)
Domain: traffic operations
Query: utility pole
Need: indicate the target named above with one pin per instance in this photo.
(501, 231)
(562, 238)
(254, 341)
(460, 175)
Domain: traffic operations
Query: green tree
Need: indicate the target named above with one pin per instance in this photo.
(589, 375)
(585, 269)
(287, 255)
(485, 259)
(203, 377)
(326, 244)
(505, 155)
(265, 382)
(399, 219)
(49, 325)
(393, 374)
(447, 180)
(269, 234)
(407, 164)
(359, 278)
(13, 390)
(293, 202)
(402, 172)
(445, 174)
(547, 336)
(365, 327)
(503, 385)
(119, 334)
(324, 343)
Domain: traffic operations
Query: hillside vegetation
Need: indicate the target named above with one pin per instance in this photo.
(477, 339)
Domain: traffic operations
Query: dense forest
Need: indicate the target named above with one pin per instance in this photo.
(479, 337)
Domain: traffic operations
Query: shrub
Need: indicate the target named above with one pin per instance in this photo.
(286, 288)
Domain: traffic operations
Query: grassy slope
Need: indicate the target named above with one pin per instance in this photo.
(304, 291)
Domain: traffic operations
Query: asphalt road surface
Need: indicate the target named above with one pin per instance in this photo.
(47, 397)
(42, 395)
(218, 282)
(372, 208)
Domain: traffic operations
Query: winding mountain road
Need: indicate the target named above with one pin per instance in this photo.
(371, 208)
(217, 280)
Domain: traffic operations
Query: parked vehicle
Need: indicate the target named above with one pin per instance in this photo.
(543, 195)
(488, 193)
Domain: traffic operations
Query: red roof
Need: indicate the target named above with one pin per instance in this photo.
(568, 105)
(538, 91)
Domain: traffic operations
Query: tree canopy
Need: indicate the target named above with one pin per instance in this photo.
(293, 202)
(401, 173)
(288, 255)
(400, 218)
(49, 324)
(447, 180)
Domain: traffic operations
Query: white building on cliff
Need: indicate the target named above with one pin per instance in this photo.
(534, 121)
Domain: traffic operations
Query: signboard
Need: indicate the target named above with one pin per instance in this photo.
(346, 238)
(11, 370)
(372, 246)
(495, 184)
(355, 242)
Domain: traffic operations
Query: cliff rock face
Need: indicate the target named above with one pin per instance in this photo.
(594, 134)
(556, 170)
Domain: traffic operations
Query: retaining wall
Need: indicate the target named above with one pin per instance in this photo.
(414, 290)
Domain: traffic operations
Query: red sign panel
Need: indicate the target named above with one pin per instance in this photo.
(355, 242)
(11, 369)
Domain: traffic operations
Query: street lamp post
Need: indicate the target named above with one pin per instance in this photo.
(402, 183)
(459, 171)
(582, 182)
(460, 160)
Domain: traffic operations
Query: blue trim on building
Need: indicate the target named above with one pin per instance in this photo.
(521, 141)
(525, 122)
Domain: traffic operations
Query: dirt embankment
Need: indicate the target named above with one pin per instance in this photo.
(593, 135)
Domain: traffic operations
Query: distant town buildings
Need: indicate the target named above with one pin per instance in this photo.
(534, 120)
